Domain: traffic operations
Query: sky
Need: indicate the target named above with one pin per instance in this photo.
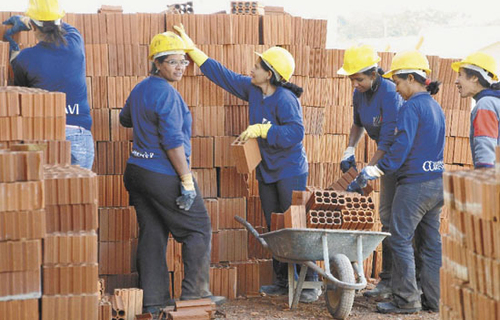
(482, 10)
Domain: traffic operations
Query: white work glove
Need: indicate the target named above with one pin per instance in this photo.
(348, 152)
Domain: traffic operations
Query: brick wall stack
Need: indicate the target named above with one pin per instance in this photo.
(70, 269)
(470, 275)
(22, 228)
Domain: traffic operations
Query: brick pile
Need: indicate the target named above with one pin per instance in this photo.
(470, 275)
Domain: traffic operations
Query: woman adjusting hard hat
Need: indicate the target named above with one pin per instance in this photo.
(56, 63)
(376, 104)
(275, 116)
(478, 78)
(161, 187)
(416, 156)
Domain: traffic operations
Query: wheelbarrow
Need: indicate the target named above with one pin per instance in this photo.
(342, 251)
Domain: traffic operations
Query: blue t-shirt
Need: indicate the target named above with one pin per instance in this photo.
(377, 113)
(417, 152)
(283, 154)
(58, 68)
(161, 121)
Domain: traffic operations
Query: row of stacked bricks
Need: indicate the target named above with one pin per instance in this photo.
(22, 228)
(470, 274)
(116, 52)
(45, 200)
(327, 209)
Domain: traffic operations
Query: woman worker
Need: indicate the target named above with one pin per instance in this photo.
(416, 156)
(56, 63)
(376, 104)
(478, 78)
(161, 186)
(276, 121)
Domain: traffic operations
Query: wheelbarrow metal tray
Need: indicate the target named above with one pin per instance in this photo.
(306, 244)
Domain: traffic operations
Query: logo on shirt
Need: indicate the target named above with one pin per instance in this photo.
(143, 155)
(265, 121)
(433, 166)
(73, 110)
(377, 121)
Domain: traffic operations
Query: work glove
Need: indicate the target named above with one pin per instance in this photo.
(255, 131)
(18, 23)
(348, 160)
(199, 57)
(188, 192)
(368, 173)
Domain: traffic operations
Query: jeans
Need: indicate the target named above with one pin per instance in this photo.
(416, 212)
(277, 197)
(387, 190)
(153, 196)
(82, 146)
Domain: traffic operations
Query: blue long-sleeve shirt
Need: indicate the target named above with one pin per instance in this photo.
(283, 154)
(485, 128)
(58, 68)
(161, 121)
(377, 112)
(417, 152)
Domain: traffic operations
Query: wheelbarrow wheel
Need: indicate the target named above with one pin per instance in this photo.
(339, 301)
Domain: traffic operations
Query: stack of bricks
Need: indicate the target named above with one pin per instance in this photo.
(116, 47)
(247, 8)
(31, 114)
(180, 8)
(22, 228)
(70, 269)
(327, 209)
(470, 275)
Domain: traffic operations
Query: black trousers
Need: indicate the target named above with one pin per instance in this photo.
(153, 196)
(277, 197)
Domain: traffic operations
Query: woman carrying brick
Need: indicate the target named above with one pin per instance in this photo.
(376, 104)
(276, 121)
(416, 157)
(161, 187)
(478, 78)
(56, 63)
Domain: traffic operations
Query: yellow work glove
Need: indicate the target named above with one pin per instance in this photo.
(188, 192)
(256, 131)
(199, 57)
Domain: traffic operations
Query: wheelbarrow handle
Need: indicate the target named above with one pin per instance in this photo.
(252, 230)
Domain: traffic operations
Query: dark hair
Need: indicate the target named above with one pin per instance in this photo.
(154, 70)
(285, 84)
(482, 81)
(432, 87)
(369, 72)
(51, 33)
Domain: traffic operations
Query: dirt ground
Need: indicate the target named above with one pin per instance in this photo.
(266, 308)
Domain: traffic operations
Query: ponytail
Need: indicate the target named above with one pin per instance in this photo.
(297, 91)
(495, 86)
(431, 87)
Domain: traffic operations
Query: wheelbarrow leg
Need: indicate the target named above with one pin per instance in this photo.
(298, 289)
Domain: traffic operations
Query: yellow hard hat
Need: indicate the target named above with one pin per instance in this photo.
(358, 59)
(280, 60)
(44, 10)
(478, 59)
(408, 60)
(166, 43)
